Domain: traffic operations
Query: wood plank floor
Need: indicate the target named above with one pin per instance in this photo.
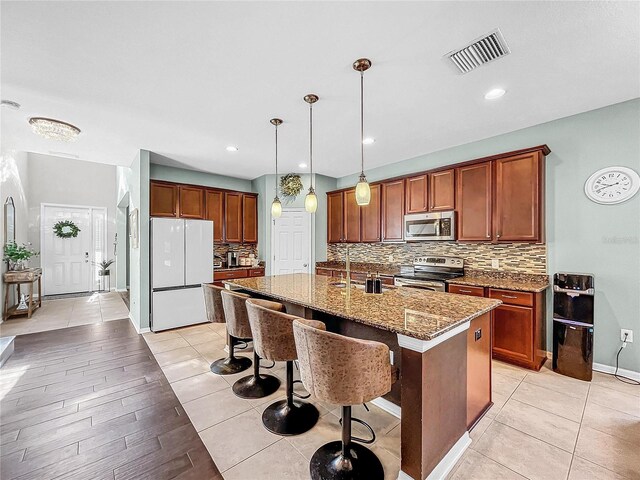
(90, 402)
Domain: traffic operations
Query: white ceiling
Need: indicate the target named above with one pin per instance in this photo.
(187, 79)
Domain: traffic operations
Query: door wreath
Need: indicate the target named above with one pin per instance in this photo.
(66, 229)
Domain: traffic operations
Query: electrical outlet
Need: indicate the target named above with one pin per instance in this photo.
(624, 331)
(495, 263)
(391, 356)
(391, 259)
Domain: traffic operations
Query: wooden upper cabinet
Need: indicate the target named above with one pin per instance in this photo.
(416, 191)
(214, 210)
(442, 190)
(473, 197)
(191, 202)
(164, 200)
(370, 217)
(335, 217)
(233, 217)
(393, 211)
(249, 218)
(352, 232)
(519, 198)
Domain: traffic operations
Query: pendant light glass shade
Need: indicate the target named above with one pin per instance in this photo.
(311, 201)
(363, 192)
(276, 208)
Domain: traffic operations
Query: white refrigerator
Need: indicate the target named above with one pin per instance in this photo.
(181, 261)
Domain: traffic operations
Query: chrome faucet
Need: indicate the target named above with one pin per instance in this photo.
(348, 268)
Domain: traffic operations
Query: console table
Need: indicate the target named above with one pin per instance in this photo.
(19, 277)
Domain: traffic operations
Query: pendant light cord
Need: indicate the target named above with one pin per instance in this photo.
(311, 144)
(276, 161)
(361, 123)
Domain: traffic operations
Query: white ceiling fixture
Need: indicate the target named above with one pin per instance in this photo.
(10, 104)
(481, 51)
(276, 205)
(54, 129)
(232, 148)
(363, 191)
(311, 200)
(494, 93)
(369, 141)
(188, 111)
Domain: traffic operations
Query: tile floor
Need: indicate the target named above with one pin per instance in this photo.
(542, 425)
(68, 312)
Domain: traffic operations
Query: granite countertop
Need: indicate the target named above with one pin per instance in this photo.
(361, 267)
(416, 313)
(505, 280)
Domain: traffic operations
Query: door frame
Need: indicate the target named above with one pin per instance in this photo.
(312, 243)
(63, 205)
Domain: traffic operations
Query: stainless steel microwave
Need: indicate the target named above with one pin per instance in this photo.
(430, 226)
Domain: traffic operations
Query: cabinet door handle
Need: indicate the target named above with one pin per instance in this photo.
(465, 291)
(509, 296)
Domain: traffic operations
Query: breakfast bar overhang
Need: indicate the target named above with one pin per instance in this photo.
(429, 336)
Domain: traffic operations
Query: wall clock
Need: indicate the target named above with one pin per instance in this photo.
(612, 185)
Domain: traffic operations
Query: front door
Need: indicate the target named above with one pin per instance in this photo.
(291, 242)
(67, 262)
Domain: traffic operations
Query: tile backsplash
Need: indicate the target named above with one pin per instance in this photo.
(244, 249)
(513, 257)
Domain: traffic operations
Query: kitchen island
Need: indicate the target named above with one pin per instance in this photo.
(444, 366)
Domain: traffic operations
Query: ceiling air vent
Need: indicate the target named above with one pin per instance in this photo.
(485, 49)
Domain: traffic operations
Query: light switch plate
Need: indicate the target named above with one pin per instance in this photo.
(495, 263)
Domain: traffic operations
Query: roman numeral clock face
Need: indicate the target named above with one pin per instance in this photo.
(612, 185)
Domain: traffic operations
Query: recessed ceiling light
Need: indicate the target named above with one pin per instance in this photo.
(302, 165)
(494, 93)
(54, 129)
(11, 104)
(368, 141)
(232, 148)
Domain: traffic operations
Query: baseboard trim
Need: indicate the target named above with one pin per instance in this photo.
(599, 367)
(602, 368)
(387, 406)
(138, 329)
(447, 463)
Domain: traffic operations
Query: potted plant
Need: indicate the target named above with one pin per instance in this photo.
(18, 255)
(104, 267)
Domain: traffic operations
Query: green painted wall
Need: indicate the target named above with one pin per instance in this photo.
(134, 182)
(582, 236)
(181, 175)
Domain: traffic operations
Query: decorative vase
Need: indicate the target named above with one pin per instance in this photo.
(23, 303)
(16, 265)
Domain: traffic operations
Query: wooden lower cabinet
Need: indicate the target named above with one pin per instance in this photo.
(478, 368)
(517, 326)
(323, 271)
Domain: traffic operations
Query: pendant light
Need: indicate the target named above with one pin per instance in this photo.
(363, 192)
(276, 206)
(311, 200)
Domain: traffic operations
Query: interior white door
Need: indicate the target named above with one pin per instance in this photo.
(292, 242)
(66, 262)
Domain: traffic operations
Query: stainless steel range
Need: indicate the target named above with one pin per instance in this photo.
(430, 273)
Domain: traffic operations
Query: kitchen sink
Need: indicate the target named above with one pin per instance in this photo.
(359, 286)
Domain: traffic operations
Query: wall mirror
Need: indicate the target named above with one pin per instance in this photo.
(9, 221)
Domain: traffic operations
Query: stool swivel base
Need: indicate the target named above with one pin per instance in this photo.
(231, 364)
(345, 460)
(289, 417)
(256, 385)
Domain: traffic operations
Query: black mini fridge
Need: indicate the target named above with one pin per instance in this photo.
(573, 295)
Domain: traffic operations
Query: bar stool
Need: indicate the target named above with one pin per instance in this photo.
(213, 302)
(256, 385)
(345, 371)
(235, 331)
(273, 340)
